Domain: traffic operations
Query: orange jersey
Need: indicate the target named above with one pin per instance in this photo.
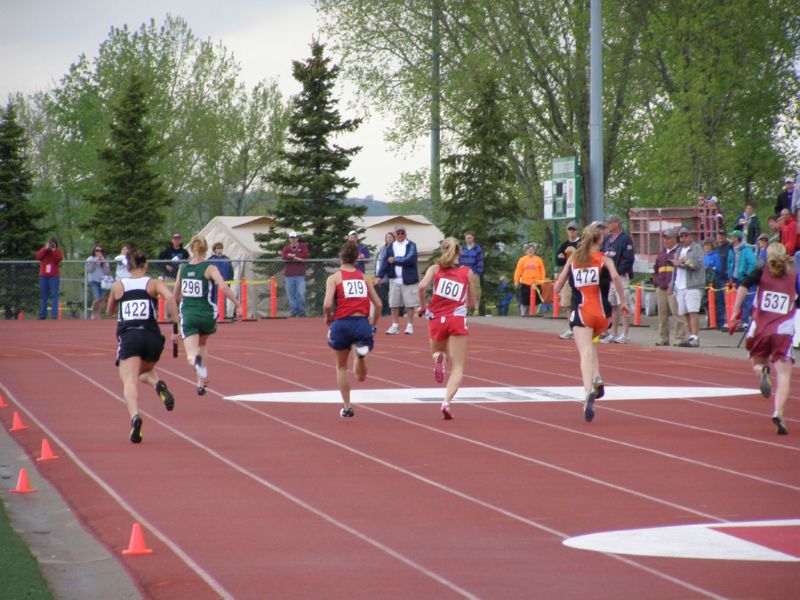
(590, 285)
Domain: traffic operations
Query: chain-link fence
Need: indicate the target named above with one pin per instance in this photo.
(261, 280)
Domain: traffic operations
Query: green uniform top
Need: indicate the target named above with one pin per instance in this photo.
(197, 299)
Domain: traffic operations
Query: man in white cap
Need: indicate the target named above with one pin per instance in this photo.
(564, 251)
(785, 197)
(363, 252)
(688, 282)
(295, 255)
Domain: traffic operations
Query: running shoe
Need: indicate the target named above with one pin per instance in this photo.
(567, 335)
(622, 339)
(136, 429)
(448, 416)
(588, 407)
(346, 412)
(662, 343)
(201, 390)
(362, 351)
(609, 339)
(165, 395)
(438, 367)
(764, 385)
(393, 330)
(409, 329)
(780, 426)
(598, 387)
(202, 372)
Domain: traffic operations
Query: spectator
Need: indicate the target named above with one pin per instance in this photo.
(788, 229)
(618, 246)
(225, 268)
(688, 283)
(472, 257)
(98, 276)
(741, 262)
(770, 340)
(401, 269)
(723, 249)
(761, 250)
(363, 252)
(122, 262)
(713, 268)
(382, 282)
(785, 197)
(504, 296)
(49, 257)
(749, 225)
(665, 298)
(295, 254)
(529, 272)
(564, 251)
(174, 252)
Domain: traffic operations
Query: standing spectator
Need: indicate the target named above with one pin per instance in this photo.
(121, 261)
(363, 252)
(723, 249)
(618, 246)
(688, 282)
(529, 272)
(761, 250)
(564, 251)
(349, 321)
(472, 257)
(788, 229)
(713, 267)
(666, 304)
(741, 262)
(295, 254)
(174, 252)
(382, 282)
(225, 268)
(749, 225)
(98, 276)
(785, 197)
(401, 269)
(504, 296)
(769, 341)
(451, 298)
(49, 257)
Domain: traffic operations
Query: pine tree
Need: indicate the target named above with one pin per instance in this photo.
(20, 236)
(478, 186)
(312, 187)
(131, 207)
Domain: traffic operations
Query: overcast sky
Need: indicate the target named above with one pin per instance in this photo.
(40, 39)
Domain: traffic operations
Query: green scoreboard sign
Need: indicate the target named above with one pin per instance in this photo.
(562, 193)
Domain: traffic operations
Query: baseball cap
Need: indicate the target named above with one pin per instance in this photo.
(737, 234)
(351, 233)
(683, 230)
(176, 235)
(670, 233)
(613, 218)
(292, 234)
(399, 228)
(601, 224)
(572, 225)
(788, 180)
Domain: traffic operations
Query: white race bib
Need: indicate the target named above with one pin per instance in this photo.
(586, 276)
(775, 302)
(354, 288)
(135, 310)
(191, 288)
(447, 288)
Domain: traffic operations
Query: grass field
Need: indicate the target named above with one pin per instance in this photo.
(19, 572)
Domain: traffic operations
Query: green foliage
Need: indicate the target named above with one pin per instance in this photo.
(131, 208)
(20, 237)
(311, 187)
(19, 571)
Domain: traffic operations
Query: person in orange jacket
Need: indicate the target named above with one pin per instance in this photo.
(530, 271)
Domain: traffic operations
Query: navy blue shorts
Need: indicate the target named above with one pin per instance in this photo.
(143, 343)
(348, 331)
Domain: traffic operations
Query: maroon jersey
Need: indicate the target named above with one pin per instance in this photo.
(352, 295)
(775, 304)
(450, 292)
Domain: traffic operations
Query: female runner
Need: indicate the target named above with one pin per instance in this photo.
(349, 322)
(198, 302)
(769, 337)
(140, 339)
(453, 293)
(589, 272)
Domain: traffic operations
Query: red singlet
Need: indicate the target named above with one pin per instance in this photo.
(352, 295)
(450, 292)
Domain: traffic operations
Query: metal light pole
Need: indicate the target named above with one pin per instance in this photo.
(596, 207)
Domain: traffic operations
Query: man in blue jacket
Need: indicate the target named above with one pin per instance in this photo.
(472, 257)
(401, 269)
(618, 246)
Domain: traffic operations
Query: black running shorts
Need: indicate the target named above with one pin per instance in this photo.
(143, 343)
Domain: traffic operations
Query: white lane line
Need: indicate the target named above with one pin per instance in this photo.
(272, 487)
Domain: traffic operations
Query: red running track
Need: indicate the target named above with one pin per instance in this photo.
(257, 500)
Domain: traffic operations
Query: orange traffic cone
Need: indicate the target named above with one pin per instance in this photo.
(16, 423)
(23, 486)
(136, 544)
(3, 401)
(47, 452)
